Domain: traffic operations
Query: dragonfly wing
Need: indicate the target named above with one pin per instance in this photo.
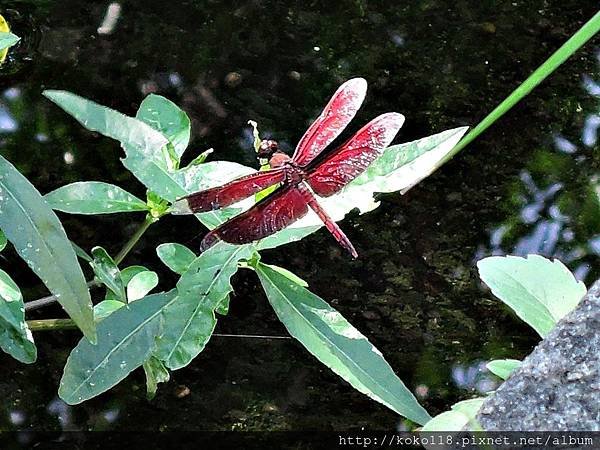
(271, 214)
(335, 117)
(233, 192)
(352, 158)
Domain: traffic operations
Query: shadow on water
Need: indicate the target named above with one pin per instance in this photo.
(530, 184)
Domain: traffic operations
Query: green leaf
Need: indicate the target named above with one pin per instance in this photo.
(223, 308)
(289, 275)
(156, 372)
(126, 275)
(201, 157)
(107, 271)
(539, 290)
(166, 117)
(189, 323)
(141, 284)
(446, 421)
(105, 308)
(463, 414)
(3, 240)
(337, 344)
(39, 238)
(81, 253)
(124, 343)
(502, 368)
(15, 336)
(143, 145)
(176, 257)
(93, 197)
(585, 33)
(8, 39)
(145, 154)
(398, 169)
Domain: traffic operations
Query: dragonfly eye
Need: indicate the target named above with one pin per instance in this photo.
(267, 148)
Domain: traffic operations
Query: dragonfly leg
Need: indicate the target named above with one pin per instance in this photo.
(330, 224)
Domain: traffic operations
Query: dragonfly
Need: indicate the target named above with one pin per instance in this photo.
(302, 178)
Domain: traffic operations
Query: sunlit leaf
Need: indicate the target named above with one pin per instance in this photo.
(146, 157)
(126, 275)
(39, 238)
(141, 284)
(81, 253)
(290, 275)
(15, 337)
(93, 197)
(399, 168)
(189, 322)
(463, 414)
(502, 368)
(201, 158)
(143, 145)
(7, 40)
(105, 308)
(336, 343)
(176, 257)
(538, 290)
(107, 271)
(3, 240)
(156, 372)
(125, 341)
(166, 117)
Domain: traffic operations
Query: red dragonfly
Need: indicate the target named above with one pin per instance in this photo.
(301, 176)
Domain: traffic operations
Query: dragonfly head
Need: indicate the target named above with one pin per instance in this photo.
(267, 148)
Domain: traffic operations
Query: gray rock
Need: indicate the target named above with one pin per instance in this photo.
(557, 387)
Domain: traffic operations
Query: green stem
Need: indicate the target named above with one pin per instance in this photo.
(51, 325)
(35, 304)
(134, 239)
(584, 34)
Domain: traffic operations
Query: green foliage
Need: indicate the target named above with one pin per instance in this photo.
(156, 372)
(125, 341)
(15, 337)
(39, 238)
(326, 334)
(93, 197)
(107, 271)
(538, 290)
(140, 284)
(190, 321)
(3, 240)
(502, 368)
(463, 414)
(167, 118)
(176, 257)
(7, 39)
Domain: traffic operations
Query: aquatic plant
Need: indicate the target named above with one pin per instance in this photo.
(133, 328)
(541, 292)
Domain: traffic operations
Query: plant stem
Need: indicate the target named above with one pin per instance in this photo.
(134, 239)
(585, 33)
(41, 302)
(51, 325)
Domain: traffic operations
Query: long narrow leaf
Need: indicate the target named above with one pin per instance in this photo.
(125, 340)
(39, 238)
(584, 34)
(15, 337)
(189, 322)
(93, 197)
(326, 334)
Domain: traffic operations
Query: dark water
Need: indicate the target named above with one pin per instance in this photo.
(529, 185)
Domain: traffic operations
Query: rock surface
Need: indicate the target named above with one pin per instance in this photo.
(557, 387)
